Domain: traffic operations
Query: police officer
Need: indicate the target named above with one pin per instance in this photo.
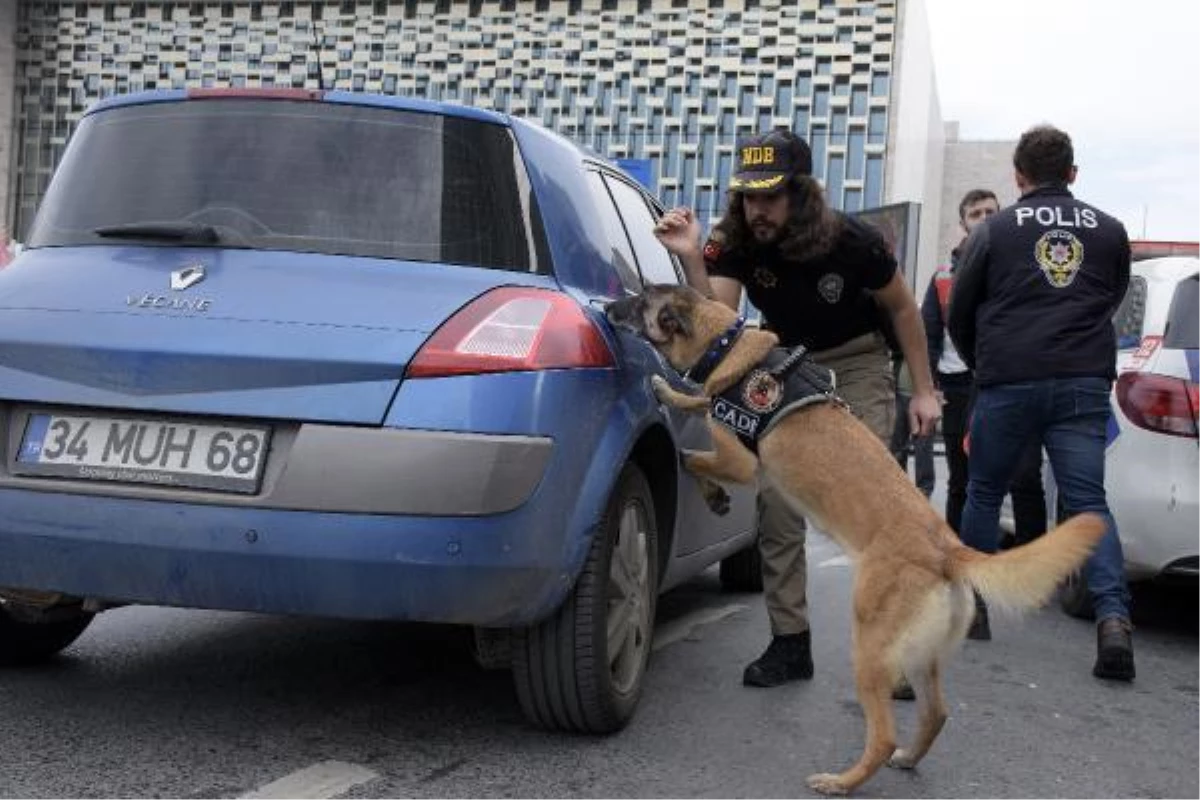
(1030, 312)
(821, 279)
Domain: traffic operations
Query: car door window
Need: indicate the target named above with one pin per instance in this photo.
(1131, 314)
(1183, 320)
(622, 252)
(656, 263)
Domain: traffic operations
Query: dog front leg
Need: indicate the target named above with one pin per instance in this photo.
(695, 403)
(728, 460)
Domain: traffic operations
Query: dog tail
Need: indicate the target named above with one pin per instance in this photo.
(1024, 577)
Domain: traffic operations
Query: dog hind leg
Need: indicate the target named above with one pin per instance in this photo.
(927, 684)
(874, 678)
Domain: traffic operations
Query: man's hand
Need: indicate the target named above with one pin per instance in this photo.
(679, 232)
(924, 410)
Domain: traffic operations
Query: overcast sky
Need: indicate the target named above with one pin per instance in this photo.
(1121, 77)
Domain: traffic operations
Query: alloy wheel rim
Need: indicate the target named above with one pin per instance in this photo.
(628, 619)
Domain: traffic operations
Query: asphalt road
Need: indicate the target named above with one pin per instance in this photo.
(155, 702)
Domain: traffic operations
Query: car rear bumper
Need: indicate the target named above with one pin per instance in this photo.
(1156, 519)
(502, 570)
(344, 468)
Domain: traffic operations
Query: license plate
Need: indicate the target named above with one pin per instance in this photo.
(161, 452)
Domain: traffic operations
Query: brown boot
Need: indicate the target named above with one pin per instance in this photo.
(1114, 649)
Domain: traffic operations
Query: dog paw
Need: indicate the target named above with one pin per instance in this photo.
(826, 783)
(662, 389)
(717, 499)
(902, 759)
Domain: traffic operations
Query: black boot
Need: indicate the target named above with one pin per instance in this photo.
(1114, 650)
(980, 630)
(787, 658)
(903, 690)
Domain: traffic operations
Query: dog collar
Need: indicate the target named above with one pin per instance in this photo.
(704, 367)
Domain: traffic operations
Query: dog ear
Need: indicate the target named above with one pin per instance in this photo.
(672, 323)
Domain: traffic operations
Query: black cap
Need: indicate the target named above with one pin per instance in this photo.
(766, 161)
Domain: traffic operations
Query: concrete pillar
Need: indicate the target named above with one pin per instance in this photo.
(8, 82)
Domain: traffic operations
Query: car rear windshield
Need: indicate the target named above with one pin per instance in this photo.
(297, 176)
(1183, 320)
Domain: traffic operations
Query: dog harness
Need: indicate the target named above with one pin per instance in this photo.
(783, 382)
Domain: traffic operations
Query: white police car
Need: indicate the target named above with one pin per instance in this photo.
(1151, 469)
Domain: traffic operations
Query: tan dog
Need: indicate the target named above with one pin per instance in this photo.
(913, 584)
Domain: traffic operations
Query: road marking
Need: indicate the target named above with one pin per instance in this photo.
(836, 561)
(321, 781)
(679, 629)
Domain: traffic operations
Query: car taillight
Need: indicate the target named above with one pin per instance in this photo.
(1159, 403)
(510, 329)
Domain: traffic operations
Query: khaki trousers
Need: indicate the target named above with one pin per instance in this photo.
(863, 368)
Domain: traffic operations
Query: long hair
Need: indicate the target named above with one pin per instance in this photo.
(811, 230)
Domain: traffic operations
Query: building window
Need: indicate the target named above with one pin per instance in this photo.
(873, 184)
(819, 142)
(838, 127)
(858, 102)
(879, 84)
(833, 180)
(877, 127)
(821, 102)
(856, 154)
(800, 122)
(783, 98)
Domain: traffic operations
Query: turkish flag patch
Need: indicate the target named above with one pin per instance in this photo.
(712, 250)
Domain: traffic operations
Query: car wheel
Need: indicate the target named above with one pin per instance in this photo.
(1075, 598)
(30, 636)
(581, 670)
(742, 571)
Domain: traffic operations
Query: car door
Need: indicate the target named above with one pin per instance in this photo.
(698, 526)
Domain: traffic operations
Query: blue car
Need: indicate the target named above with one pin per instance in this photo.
(343, 355)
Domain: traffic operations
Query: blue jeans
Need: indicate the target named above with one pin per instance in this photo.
(1069, 416)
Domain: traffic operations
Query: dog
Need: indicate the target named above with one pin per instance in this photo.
(914, 579)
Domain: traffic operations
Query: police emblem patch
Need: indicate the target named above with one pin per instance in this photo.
(765, 277)
(830, 287)
(761, 392)
(1059, 253)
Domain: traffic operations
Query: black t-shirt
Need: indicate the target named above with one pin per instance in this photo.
(820, 302)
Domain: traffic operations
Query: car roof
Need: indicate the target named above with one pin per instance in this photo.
(1168, 268)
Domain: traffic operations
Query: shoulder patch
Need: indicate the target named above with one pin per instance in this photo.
(712, 249)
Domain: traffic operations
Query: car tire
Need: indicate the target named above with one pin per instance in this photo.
(29, 636)
(1075, 598)
(567, 676)
(742, 571)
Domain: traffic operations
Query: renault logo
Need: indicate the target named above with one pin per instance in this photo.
(187, 277)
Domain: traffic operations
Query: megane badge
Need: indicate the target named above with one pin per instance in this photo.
(187, 277)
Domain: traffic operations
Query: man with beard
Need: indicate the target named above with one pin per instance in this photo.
(827, 282)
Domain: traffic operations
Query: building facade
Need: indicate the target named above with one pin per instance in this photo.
(978, 164)
(671, 84)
